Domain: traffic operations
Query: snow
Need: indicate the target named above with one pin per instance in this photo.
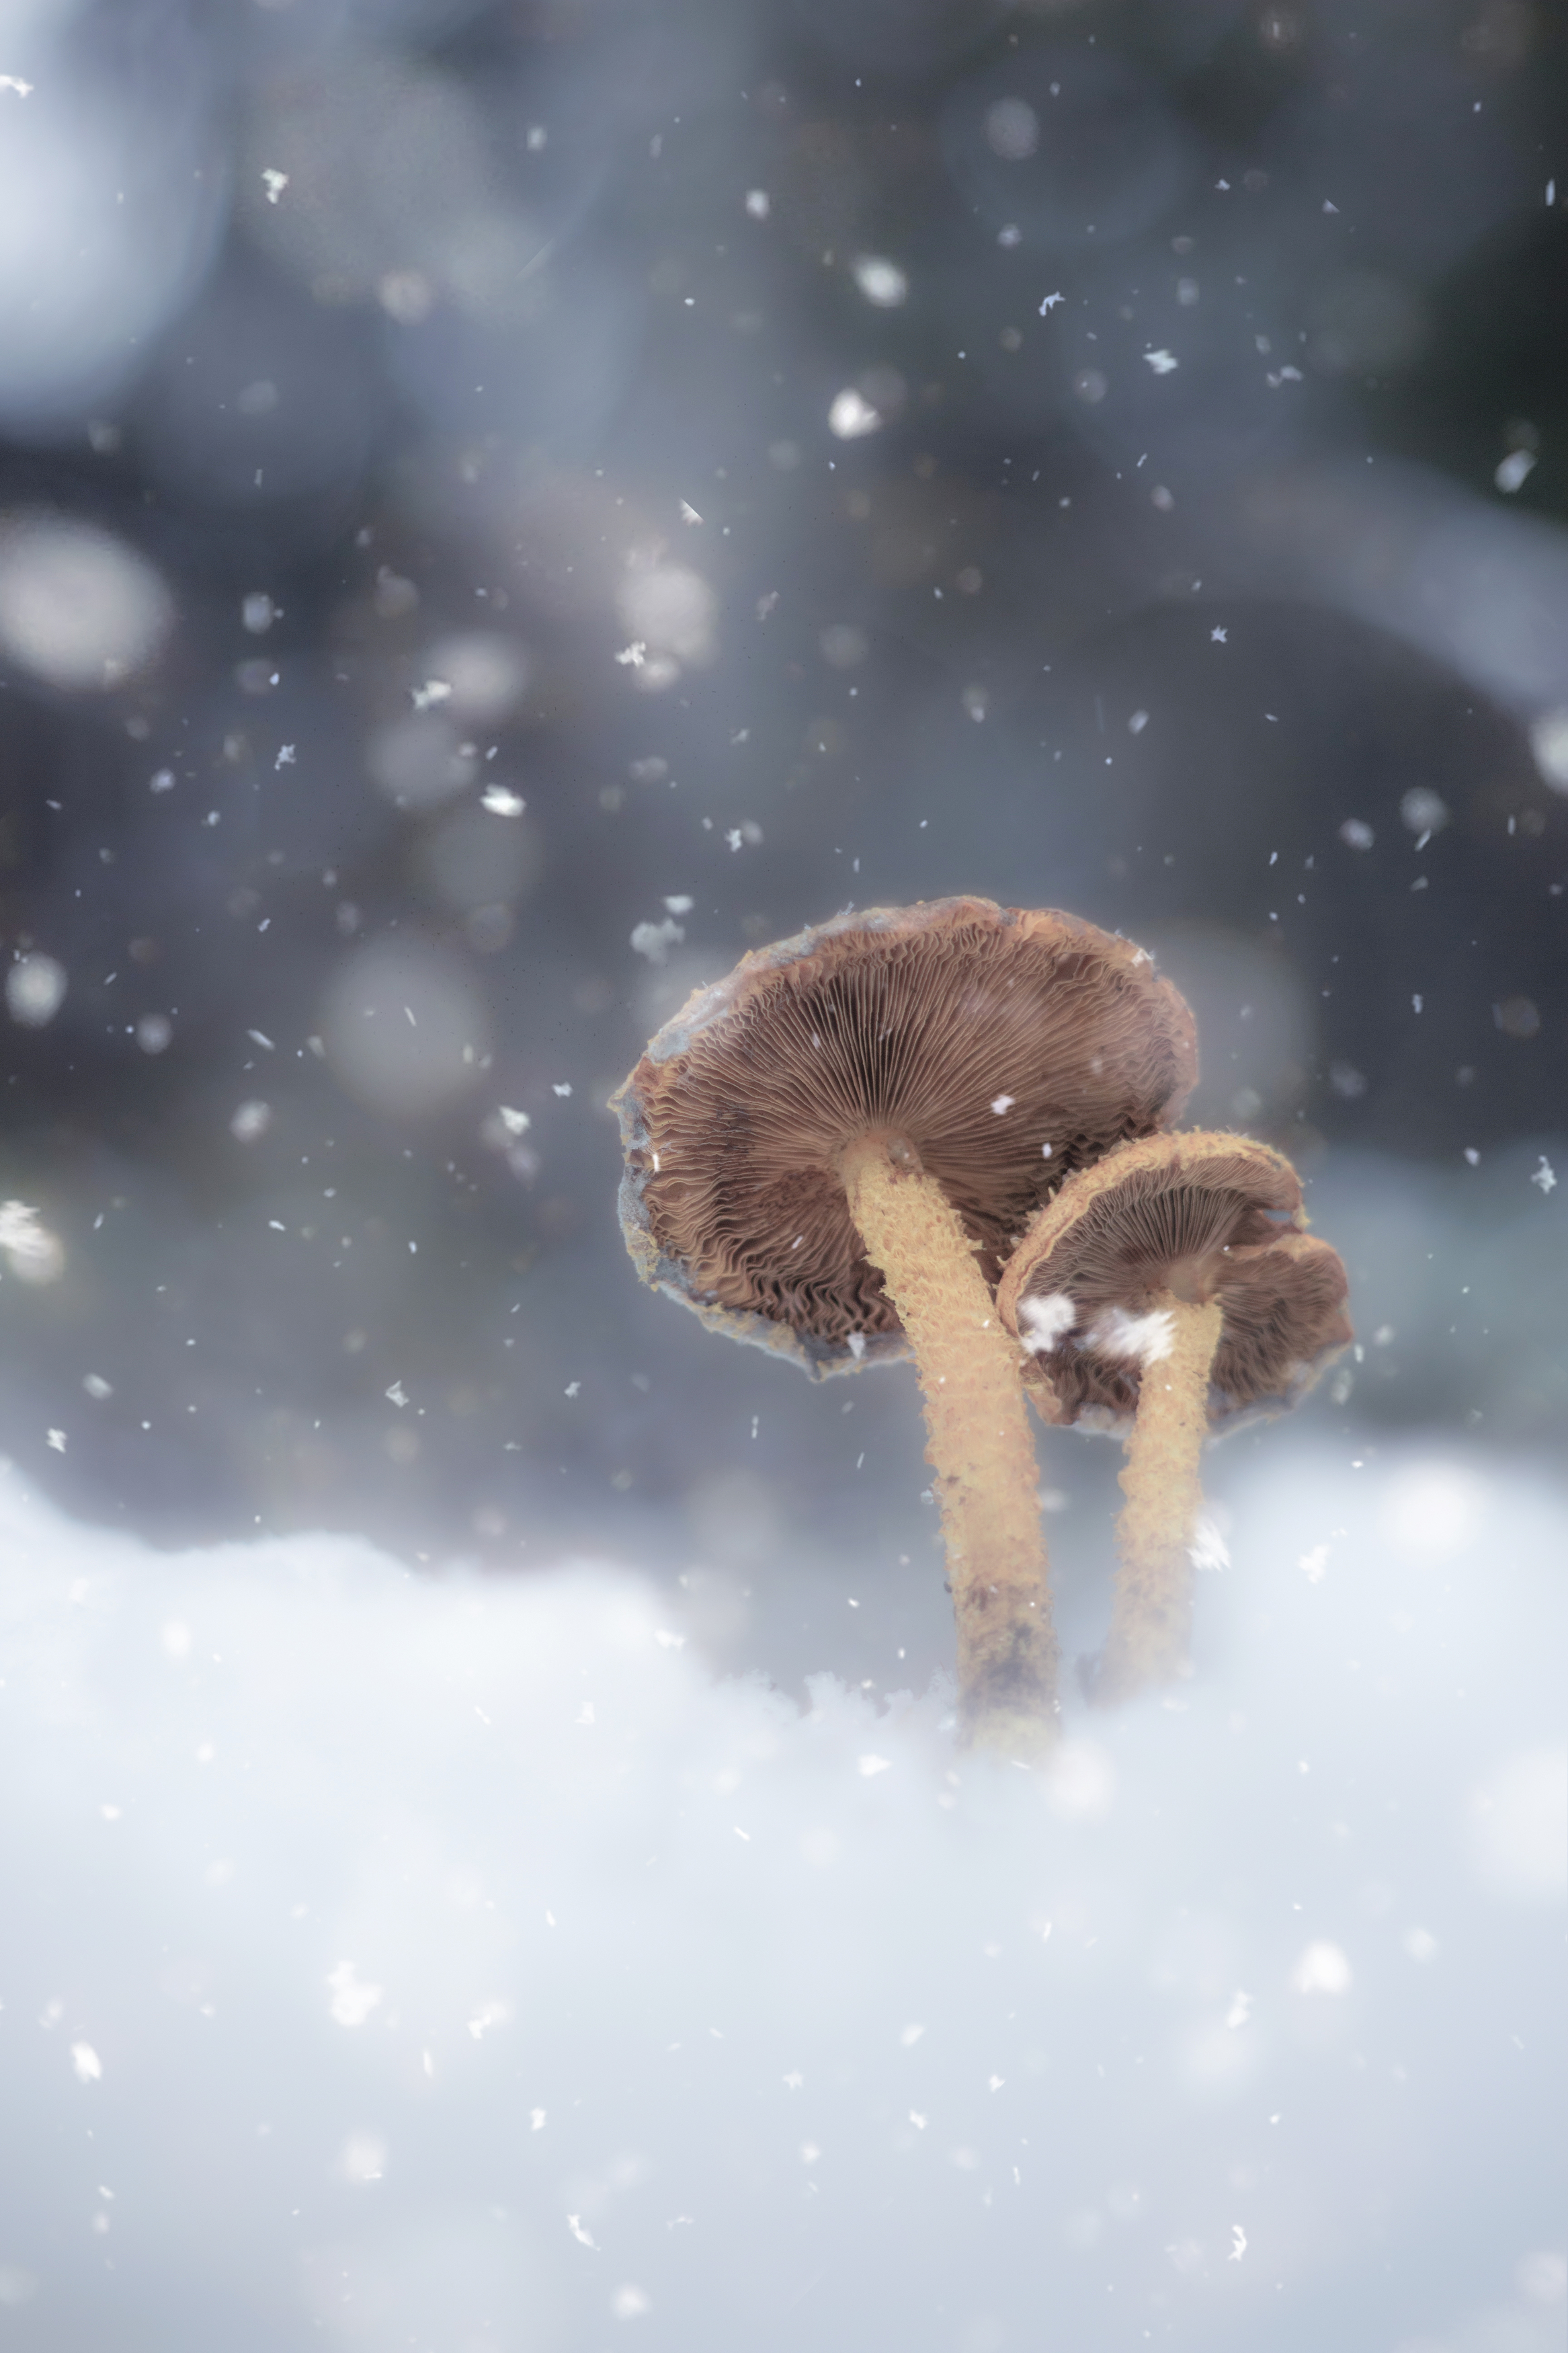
(1011, 129)
(250, 1121)
(1322, 1968)
(80, 609)
(1549, 742)
(32, 1252)
(1424, 811)
(884, 285)
(1513, 472)
(655, 940)
(1046, 1319)
(1147, 1338)
(262, 1880)
(851, 415)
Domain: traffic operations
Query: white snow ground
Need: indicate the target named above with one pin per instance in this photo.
(455, 1966)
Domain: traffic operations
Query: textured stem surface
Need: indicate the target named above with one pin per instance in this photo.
(1152, 1619)
(980, 1447)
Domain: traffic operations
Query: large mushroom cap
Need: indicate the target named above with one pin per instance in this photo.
(1006, 1046)
(1194, 1217)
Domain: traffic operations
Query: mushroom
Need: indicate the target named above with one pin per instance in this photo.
(828, 1153)
(1171, 1283)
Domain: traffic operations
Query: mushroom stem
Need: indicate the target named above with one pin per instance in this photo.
(1152, 1616)
(980, 1447)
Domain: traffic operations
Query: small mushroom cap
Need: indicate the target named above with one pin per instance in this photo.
(1194, 1217)
(1006, 1048)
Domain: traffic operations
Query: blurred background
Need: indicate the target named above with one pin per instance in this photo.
(506, 505)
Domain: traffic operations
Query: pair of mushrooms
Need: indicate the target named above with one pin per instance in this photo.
(944, 1130)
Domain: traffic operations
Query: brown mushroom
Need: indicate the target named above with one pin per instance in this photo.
(829, 1153)
(1171, 1283)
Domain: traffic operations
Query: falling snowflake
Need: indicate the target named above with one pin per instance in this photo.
(852, 417)
(1322, 1968)
(31, 1251)
(489, 2014)
(884, 285)
(1208, 1548)
(252, 1120)
(352, 1998)
(655, 940)
(363, 2159)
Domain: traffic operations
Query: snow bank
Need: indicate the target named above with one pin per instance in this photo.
(453, 1965)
